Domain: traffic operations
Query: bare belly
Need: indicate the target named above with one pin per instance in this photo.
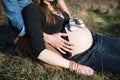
(81, 38)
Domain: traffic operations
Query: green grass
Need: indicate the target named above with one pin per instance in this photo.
(15, 65)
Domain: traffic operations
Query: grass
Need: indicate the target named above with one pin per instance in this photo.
(101, 16)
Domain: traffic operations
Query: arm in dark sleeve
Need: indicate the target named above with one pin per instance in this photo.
(32, 19)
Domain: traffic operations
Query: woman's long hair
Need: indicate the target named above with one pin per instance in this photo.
(50, 17)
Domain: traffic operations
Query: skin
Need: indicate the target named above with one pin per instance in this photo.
(58, 60)
(56, 40)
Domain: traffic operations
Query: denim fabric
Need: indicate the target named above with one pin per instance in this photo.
(13, 10)
(104, 54)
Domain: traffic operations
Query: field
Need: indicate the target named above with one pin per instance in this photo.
(101, 16)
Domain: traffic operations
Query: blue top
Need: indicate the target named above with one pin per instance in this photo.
(13, 10)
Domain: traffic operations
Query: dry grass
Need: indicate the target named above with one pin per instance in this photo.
(99, 15)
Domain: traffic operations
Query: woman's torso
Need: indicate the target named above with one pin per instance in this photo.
(81, 37)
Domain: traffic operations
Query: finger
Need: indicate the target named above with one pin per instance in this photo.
(66, 49)
(61, 50)
(68, 46)
(82, 70)
(67, 42)
(63, 34)
(50, 0)
(87, 71)
(90, 71)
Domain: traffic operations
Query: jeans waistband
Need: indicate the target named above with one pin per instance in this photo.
(81, 55)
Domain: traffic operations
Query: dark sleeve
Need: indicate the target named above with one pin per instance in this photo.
(32, 18)
(56, 1)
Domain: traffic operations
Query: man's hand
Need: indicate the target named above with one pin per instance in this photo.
(58, 42)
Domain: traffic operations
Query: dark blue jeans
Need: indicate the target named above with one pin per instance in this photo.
(104, 54)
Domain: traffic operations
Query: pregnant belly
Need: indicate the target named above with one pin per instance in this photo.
(81, 38)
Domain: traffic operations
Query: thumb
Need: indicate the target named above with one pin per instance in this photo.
(63, 34)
